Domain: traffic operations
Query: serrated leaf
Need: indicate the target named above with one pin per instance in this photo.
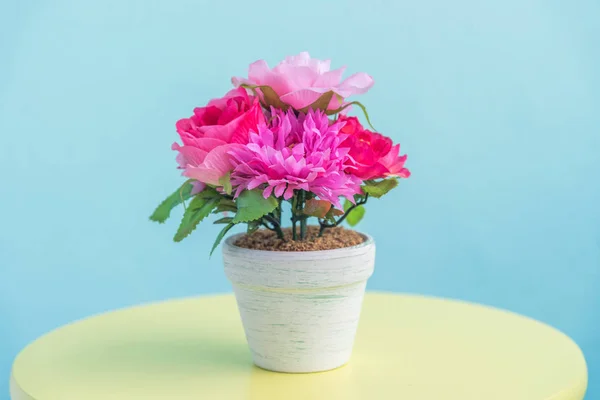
(208, 193)
(224, 220)
(316, 208)
(320, 104)
(198, 209)
(225, 181)
(225, 205)
(228, 202)
(252, 227)
(163, 211)
(221, 235)
(222, 208)
(379, 188)
(251, 205)
(355, 215)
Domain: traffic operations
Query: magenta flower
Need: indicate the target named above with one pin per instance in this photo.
(300, 80)
(374, 156)
(295, 153)
(212, 132)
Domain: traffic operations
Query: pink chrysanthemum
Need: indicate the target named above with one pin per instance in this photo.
(293, 153)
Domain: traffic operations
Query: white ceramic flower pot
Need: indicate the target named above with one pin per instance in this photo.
(300, 310)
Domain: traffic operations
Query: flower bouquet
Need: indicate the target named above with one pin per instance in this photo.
(281, 141)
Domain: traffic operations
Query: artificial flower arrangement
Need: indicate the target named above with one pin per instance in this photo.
(282, 135)
(282, 138)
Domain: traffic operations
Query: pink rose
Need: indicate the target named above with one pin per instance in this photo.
(374, 155)
(212, 132)
(300, 80)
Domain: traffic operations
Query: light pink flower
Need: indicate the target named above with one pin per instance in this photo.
(295, 153)
(300, 80)
(212, 132)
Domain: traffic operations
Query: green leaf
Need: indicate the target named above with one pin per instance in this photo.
(222, 208)
(163, 211)
(208, 193)
(355, 215)
(316, 208)
(332, 213)
(224, 220)
(225, 205)
(359, 197)
(379, 188)
(269, 96)
(227, 202)
(251, 205)
(320, 104)
(221, 235)
(198, 209)
(252, 227)
(225, 181)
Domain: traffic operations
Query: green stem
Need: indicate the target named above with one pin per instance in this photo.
(298, 215)
(294, 205)
(325, 225)
(322, 229)
(279, 211)
(302, 216)
(276, 226)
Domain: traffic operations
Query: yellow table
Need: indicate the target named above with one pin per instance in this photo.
(407, 347)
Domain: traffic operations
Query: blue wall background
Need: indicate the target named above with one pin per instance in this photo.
(496, 103)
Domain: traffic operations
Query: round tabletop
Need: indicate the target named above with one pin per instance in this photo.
(407, 347)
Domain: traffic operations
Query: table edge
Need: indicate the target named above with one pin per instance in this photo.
(18, 393)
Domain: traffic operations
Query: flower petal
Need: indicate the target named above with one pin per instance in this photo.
(301, 98)
(237, 130)
(248, 123)
(303, 154)
(297, 77)
(279, 189)
(289, 192)
(366, 172)
(189, 155)
(330, 78)
(197, 187)
(395, 163)
(203, 174)
(267, 192)
(304, 59)
(258, 71)
(215, 165)
(358, 83)
(237, 81)
(206, 144)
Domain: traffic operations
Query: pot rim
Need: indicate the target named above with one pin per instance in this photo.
(330, 253)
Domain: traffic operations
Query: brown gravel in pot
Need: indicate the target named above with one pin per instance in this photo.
(333, 238)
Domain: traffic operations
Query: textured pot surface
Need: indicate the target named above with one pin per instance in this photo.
(300, 310)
